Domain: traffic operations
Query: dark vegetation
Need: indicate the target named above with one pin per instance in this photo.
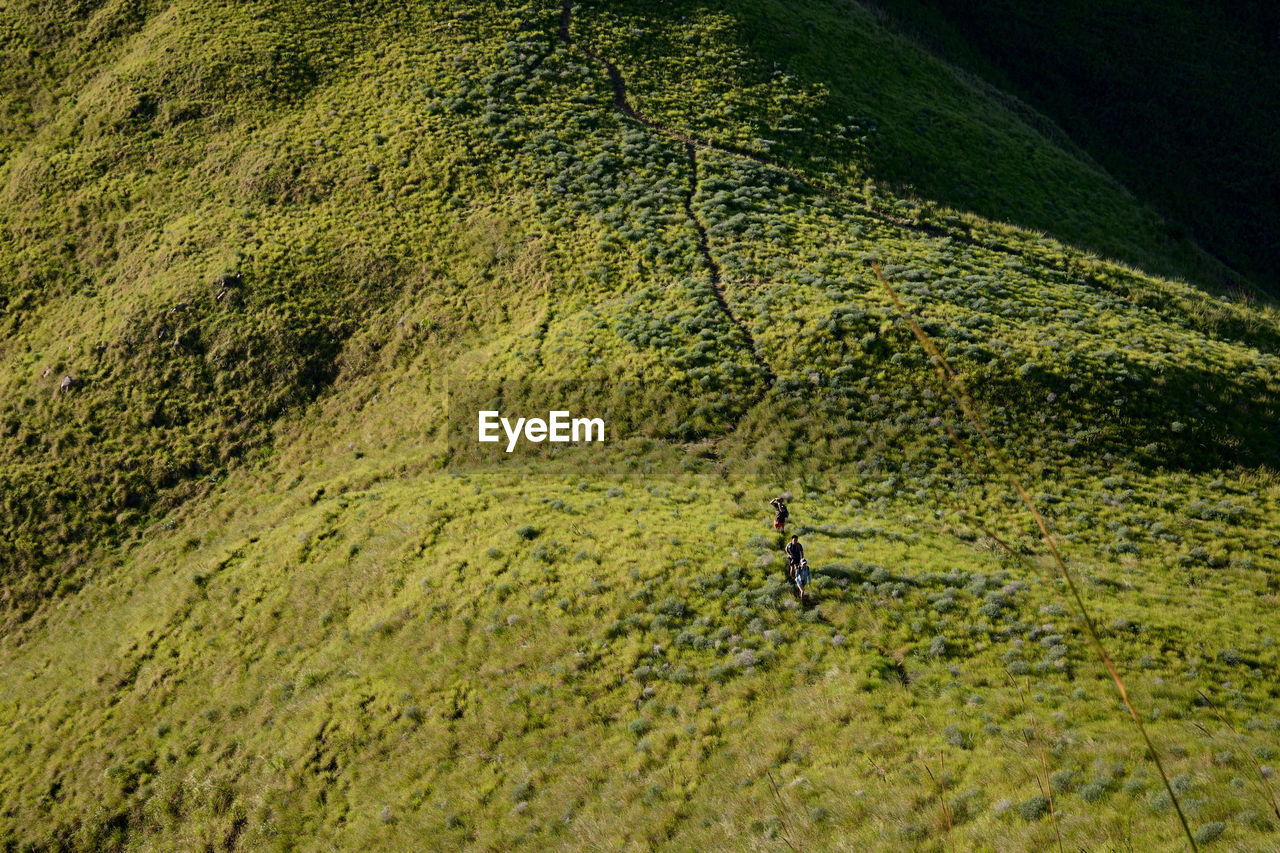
(1177, 101)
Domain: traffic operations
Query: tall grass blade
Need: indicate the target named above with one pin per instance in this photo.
(954, 385)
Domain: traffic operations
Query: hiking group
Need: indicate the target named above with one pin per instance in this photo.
(797, 566)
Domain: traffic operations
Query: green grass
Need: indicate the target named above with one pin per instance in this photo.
(832, 88)
(250, 600)
(628, 674)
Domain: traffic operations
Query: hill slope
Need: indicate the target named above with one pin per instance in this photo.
(255, 599)
(1174, 101)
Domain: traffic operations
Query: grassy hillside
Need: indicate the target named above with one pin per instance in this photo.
(415, 660)
(254, 599)
(834, 88)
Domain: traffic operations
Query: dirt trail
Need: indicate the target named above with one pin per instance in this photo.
(691, 146)
(624, 106)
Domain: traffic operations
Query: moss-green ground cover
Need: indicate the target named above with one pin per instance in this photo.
(248, 601)
(424, 660)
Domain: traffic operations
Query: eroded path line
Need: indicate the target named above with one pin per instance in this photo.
(625, 107)
(717, 285)
(691, 146)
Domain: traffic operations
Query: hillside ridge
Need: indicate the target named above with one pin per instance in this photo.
(260, 594)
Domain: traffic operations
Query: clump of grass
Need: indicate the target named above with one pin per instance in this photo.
(1063, 781)
(1033, 808)
(1209, 832)
(1092, 792)
(521, 791)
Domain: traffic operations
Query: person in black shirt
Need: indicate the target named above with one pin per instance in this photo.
(795, 553)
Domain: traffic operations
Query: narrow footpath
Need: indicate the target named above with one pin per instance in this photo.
(691, 146)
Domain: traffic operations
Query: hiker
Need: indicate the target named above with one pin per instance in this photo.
(802, 579)
(780, 513)
(795, 553)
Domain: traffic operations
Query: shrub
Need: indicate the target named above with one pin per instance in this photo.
(1063, 781)
(953, 735)
(1209, 832)
(527, 532)
(673, 607)
(1255, 819)
(1034, 808)
(659, 623)
(521, 791)
(720, 672)
(682, 675)
(1092, 792)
